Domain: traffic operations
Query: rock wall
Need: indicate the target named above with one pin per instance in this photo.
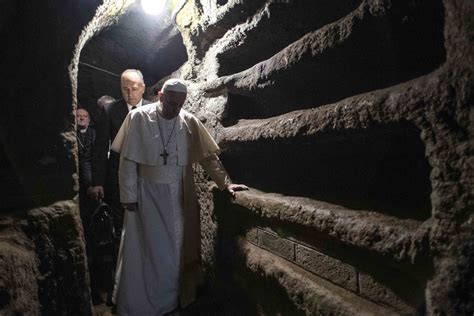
(139, 41)
(350, 121)
(43, 267)
(43, 262)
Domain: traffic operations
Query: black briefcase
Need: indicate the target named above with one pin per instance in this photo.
(101, 226)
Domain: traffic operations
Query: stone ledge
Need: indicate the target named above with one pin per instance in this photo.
(315, 296)
(203, 27)
(312, 43)
(271, 19)
(311, 62)
(386, 235)
(356, 112)
(232, 12)
(329, 268)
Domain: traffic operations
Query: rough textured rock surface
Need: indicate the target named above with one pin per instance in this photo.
(18, 263)
(43, 263)
(349, 120)
(43, 267)
(63, 286)
(354, 132)
(139, 41)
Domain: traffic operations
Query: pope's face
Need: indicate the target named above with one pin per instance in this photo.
(82, 118)
(132, 88)
(172, 103)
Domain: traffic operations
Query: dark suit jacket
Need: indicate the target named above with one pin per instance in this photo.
(85, 142)
(107, 127)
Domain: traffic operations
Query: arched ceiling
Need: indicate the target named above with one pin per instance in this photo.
(149, 43)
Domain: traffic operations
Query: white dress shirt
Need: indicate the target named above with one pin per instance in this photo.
(137, 105)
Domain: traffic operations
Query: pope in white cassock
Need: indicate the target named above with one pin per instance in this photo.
(159, 258)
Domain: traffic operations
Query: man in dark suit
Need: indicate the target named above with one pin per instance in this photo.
(104, 165)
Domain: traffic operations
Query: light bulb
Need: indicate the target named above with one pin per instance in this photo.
(153, 7)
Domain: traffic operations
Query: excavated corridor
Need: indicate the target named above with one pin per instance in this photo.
(348, 120)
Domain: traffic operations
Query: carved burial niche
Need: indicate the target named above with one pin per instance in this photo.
(379, 168)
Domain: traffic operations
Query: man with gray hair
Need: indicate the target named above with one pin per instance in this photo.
(104, 101)
(159, 258)
(105, 166)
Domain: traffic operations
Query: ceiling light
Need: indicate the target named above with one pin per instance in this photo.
(153, 7)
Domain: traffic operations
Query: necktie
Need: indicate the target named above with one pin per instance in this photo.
(134, 107)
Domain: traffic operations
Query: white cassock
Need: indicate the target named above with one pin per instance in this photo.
(159, 258)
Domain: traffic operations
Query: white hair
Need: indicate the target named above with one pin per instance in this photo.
(138, 72)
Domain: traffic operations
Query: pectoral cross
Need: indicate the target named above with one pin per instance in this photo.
(165, 156)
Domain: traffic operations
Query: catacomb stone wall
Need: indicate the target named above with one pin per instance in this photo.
(137, 41)
(349, 120)
(43, 267)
